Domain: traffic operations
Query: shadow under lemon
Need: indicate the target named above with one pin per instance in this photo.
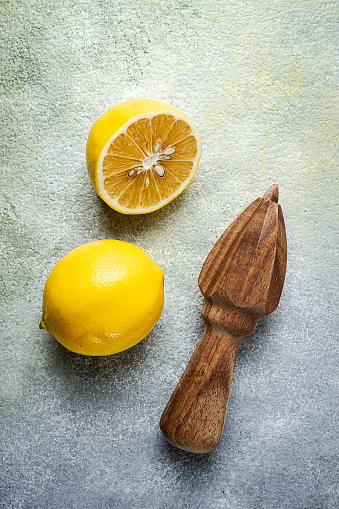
(121, 225)
(119, 366)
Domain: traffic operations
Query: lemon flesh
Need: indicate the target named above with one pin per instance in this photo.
(141, 154)
(103, 298)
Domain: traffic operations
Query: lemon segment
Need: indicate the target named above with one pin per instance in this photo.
(141, 154)
(103, 298)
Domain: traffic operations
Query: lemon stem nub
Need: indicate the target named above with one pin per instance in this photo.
(42, 324)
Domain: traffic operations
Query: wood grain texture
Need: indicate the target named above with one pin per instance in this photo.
(241, 280)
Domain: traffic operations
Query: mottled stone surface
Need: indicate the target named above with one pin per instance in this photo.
(259, 80)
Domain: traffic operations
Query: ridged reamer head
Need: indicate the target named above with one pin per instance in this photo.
(246, 267)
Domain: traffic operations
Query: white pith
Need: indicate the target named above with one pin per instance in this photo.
(154, 160)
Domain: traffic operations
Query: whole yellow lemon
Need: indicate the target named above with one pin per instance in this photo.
(103, 298)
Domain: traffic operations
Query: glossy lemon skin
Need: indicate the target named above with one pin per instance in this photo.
(114, 119)
(103, 297)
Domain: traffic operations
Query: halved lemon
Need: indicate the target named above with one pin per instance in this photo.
(141, 154)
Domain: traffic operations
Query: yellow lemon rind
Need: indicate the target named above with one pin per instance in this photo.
(85, 304)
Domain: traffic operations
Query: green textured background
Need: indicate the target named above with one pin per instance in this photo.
(260, 80)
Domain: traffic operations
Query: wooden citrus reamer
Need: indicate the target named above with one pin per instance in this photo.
(241, 280)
